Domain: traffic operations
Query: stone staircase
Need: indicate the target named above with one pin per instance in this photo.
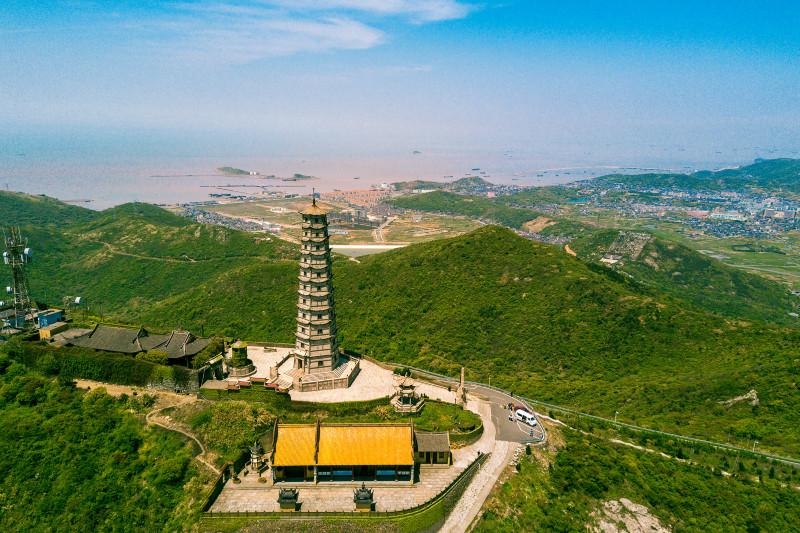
(281, 382)
(343, 368)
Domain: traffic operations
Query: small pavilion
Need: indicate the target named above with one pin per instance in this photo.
(406, 400)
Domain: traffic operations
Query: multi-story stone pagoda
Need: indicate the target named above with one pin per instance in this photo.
(316, 345)
(316, 362)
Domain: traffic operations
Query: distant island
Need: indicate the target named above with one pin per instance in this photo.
(230, 171)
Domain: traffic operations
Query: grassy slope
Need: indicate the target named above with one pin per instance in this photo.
(504, 210)
(542, 323)
(472, 206)
(701, 280)
(563, 491)
(132, 257)
(540, 195)
(36, 210)
(461, 184)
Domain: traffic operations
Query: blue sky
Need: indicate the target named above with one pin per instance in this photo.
(382, 76)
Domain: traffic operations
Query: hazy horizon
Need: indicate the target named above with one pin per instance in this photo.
(622, 81)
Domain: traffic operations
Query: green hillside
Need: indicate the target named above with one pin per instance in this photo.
(233, 171)
(503, 210)
(129, 258)
(542, 323)
(769, 176)
(71, 461)
(471, 206)
(529, 316)
(701, 280)
(21, 209)
(418, 184)
(469, 183)
(540, 195)
(565, 491)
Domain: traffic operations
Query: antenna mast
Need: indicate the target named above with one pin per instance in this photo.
(18, 255)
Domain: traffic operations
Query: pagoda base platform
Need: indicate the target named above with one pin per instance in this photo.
(340, 377)
(247, 370)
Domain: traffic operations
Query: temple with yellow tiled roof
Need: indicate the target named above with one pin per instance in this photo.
(323, 452)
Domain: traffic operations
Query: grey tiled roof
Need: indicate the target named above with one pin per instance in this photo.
(111, 339)
(432, 442)
(131, 341)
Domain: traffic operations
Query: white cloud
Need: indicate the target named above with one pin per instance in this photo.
(244, 31)
(236, 34)
(421, 10)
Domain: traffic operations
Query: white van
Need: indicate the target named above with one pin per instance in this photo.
(526, 417)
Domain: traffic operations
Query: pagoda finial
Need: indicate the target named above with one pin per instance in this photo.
(313, 197)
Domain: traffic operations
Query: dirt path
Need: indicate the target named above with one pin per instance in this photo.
(166, 259)
(569, 250)
(164, 400)
(171, 426)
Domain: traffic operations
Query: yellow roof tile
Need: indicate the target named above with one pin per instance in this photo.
(295, 445)
(365, 445)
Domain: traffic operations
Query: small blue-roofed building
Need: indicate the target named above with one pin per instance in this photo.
(50, 317)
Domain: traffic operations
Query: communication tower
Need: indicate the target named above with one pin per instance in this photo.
(18, 255)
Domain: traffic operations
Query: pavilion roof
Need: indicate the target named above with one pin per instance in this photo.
(313, 209)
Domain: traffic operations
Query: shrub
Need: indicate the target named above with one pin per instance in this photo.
(216, 347)
(154, 356)
(47, 365)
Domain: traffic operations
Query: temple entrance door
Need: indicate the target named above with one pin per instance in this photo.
(364, 473)
(295, 473)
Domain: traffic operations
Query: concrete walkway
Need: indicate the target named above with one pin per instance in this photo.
(472, 500)
(372, 382)
(478, 490)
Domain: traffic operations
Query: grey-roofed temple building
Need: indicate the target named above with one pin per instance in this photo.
(180, 346)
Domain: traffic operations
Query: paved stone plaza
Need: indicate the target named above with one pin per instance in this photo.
(333, 497)
(264, 358)
(372, 381)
